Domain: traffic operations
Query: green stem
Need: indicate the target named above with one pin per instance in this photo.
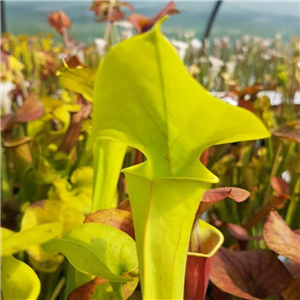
(58, 288)
(70, 284)
(6, 189)
(108, 160)
(118, 291)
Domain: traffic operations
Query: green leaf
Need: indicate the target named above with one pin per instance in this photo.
(47, 211)
(145, 98)
(79, 80)
(99, 250)
(165, 113)
(18, 280)
(18, 241)
(78, 194)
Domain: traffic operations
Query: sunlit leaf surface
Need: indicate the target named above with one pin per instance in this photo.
(18, 241)
(171, 119)
(99, 250)
(79, 80)
(17, 279)
(48, 211)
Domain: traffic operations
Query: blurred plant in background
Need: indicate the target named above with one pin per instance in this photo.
(47, 175)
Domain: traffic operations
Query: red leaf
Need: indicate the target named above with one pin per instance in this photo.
(117, 218)
(247, 104)
(289, 131)
(253, 274)
(59, 21)
(86, 291)
(213, 196)
(109, 10)
(281, 187)
(125, 205)
(241, 235)
(197, 270)
(70, 138)
(280, 238)
(205, 156)
(7, 121)
(142, 23)
(31, 109)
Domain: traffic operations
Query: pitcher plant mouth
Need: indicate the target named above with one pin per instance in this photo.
(210, 240)
(142, 170)
(205, 241)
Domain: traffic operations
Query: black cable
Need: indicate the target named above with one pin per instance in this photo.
(211, 19)
(3, 23)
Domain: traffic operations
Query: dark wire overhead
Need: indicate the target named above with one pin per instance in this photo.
(3, 22)
(211, 19)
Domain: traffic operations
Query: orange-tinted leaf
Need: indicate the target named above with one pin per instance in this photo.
(293, 291)
(240, 234)
(253, 274)
(117, 218)
(31, 109)
(125, 205)
(7, 121)
(86, 291)
(249, 90)
(280, 238)
(75, 126)
(281, 187)
(73, 62)
(213, 196)
(205, 156)
(109, 10)
(277, 202)
(59, 21)
(247, 104)
(289, 131)
(142, 23)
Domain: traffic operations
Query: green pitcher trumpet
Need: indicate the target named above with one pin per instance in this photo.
(145, 98)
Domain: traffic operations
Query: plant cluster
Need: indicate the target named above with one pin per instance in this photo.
(122, 176)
